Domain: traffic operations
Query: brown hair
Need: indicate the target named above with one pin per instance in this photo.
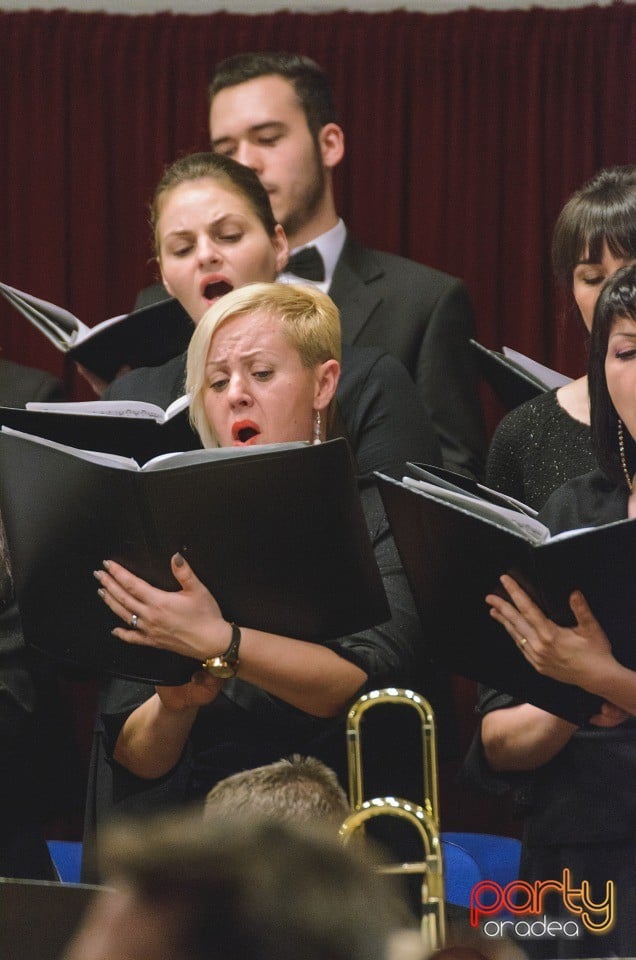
(602, 211)
(256, 888)
(216, 166)
(305, 75)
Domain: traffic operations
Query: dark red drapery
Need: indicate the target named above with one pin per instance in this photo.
(465, 133)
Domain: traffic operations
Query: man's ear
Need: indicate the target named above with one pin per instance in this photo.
(281, 248)
(327, 375)
(332, 144)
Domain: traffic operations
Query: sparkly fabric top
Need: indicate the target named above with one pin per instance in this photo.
(536, 448)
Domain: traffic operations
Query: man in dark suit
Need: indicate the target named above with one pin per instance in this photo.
(274, 112)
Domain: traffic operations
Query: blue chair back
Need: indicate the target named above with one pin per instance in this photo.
(498, 857)
(472, 857)
(461, 873)
(67, 859)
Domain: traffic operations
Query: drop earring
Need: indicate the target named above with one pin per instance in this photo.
(621, 451)
(317, 426)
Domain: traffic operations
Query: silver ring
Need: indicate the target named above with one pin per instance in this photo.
(134, 620)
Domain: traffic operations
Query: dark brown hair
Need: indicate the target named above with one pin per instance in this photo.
(229, 173)
(602, 211)
(617, 299)
(306, 77)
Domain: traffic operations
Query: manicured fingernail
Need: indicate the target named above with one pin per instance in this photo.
(178, 560)
(106, 563)
(97, 574)
(101, 593)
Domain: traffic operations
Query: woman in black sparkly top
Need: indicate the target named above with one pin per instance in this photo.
(546, 441)
(579, 781)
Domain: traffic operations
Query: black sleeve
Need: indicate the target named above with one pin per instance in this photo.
(149, 295)
(504, 467)
(447, 380)
(51, 390)
(390, 652)
(385, 420)
(476, 772)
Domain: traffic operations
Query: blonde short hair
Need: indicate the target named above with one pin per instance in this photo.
(296, 789)
(311, 325)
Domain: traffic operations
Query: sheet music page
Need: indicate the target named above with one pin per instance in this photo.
(551, 378)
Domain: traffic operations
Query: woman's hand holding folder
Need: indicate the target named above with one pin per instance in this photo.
(581, 654)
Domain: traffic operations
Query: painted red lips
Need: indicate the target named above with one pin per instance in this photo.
(245, 432)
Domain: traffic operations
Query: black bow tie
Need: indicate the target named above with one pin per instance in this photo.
(307, 263)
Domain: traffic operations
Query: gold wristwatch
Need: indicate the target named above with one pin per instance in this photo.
(225, 665)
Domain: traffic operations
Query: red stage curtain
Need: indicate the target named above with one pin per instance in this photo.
(465, 133)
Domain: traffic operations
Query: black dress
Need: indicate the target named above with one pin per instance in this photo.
(536, 448)
(581, 812)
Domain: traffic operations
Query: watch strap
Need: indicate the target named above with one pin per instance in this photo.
(225, 664)
(231, 654)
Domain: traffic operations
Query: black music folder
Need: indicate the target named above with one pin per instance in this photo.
(454, 547)
(127, 428)
(146, 337)
(276, 532)
(514, 377)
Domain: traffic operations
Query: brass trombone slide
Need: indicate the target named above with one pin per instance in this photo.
(424, 818)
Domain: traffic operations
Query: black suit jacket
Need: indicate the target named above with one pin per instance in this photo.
(424, 318)
(19, 385)
(381, 414)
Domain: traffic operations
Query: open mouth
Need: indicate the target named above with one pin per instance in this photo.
(215, 289)
(244, 432)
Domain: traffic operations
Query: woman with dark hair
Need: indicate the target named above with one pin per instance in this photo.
(546, 441)
(583, 812)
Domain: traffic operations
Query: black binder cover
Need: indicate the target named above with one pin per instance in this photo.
(453, 558)
(136, 437)
(276, 533)
(144, 338)
(512, 384)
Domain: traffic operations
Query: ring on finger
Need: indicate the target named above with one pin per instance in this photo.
(134, 620)
(522, 641)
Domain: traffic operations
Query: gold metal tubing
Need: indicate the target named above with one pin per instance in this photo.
(423, 817)
(433, 916)
(394, 695)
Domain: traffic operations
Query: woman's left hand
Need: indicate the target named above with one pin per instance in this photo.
(609, 716)
(187, 621)
(570, 654)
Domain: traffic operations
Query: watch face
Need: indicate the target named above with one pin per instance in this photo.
(224, 670)
(221, 668)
